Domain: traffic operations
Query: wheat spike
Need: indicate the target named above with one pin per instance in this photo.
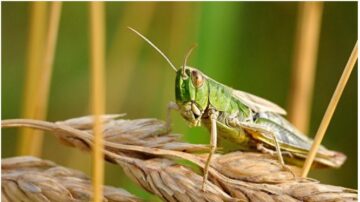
(146, 150)
(29, 178)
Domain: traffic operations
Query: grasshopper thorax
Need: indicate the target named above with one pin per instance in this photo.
(192, 94)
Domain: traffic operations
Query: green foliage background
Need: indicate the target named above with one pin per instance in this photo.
(246, 45)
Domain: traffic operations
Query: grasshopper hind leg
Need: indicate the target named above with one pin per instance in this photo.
(279, 155)
(278, 152)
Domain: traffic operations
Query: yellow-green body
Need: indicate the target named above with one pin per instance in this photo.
(244, 119)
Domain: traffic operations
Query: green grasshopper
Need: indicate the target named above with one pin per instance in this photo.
(243, 118)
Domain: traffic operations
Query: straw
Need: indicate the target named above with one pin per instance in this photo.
(330, 110)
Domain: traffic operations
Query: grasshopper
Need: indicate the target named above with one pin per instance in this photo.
(248, 120)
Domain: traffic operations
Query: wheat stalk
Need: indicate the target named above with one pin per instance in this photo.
(29, 178)
(97, 58)
(146, 150)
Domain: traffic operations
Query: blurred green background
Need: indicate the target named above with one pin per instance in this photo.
(246, 45)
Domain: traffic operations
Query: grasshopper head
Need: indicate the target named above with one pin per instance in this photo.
(191, 91)
(191, 87)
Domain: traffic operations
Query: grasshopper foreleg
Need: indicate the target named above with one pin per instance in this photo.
(171, 106)
(213, 115)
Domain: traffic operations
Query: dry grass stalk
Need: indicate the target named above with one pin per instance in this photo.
(28, 178)
(146, 151)
(304, 67)
(330, 110)
(97, 20)
(31, 141)
(47, 61)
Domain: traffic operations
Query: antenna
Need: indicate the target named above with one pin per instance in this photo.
(156, 48)
(187, 57)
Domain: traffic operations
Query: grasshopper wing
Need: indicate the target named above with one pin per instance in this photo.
(258, 104)
(293, 142)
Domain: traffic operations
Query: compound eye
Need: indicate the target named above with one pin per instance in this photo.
(196, 78)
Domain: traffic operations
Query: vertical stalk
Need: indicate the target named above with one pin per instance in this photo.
(30, 143)
(97, 32)
(330, 110)
(304, 66)
(48, 61)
